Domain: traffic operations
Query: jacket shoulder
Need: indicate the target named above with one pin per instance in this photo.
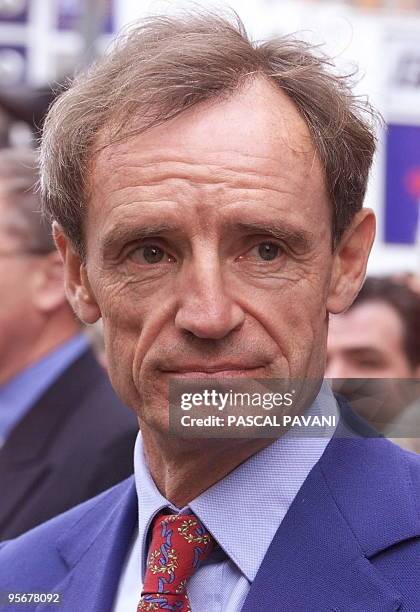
(33, 560)
(376, 486)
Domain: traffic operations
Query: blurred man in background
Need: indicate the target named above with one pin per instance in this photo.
(378, 338)
(53, 394)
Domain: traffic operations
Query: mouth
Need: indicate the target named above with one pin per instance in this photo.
(217, 371)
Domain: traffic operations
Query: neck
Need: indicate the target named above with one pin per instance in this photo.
(182, 469)
(32, 349)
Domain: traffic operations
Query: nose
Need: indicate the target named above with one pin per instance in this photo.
(206, 308)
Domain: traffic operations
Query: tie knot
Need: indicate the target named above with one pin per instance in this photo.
(179, 544)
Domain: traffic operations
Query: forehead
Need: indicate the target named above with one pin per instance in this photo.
(368, 324)
(251, 147)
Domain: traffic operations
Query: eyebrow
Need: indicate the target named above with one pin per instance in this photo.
(123, 234)
(297, 239)
(362, 350)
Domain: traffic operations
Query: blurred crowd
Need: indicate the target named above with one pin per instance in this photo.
(55, 398)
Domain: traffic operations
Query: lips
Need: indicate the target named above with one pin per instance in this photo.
(223, 370)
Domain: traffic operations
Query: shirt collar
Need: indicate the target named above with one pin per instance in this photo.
(48, 366)
(19, 394)
(150, 500)
(244, 510)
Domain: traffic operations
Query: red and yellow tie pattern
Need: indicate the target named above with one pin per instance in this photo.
(179, 545)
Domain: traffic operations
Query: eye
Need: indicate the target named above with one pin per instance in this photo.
(267, 251)
(150, 254)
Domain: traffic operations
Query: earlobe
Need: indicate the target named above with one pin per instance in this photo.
(78, 289)
(350, 261)
(87, 304)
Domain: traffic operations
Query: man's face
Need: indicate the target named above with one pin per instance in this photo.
(17, 311)
(367, 342)
(209, 249)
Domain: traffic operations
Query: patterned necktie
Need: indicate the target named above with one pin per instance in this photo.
(179, 545)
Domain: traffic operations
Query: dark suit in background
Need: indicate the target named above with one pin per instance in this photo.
(76, 441)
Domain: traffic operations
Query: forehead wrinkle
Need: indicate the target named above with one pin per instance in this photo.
(193, 176)
(227, 194)
(156, 167)
(153, 154)
(175, 191)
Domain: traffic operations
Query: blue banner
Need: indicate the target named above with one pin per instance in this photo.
(402, 195)
(70, 13)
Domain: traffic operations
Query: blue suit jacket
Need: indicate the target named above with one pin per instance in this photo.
(350, 542)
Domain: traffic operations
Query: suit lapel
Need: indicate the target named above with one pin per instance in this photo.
(347, 510)
(17, 483)
(94, 551)
(24, 458)
(31, 438)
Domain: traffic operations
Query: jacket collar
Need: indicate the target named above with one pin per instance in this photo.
(94, 550)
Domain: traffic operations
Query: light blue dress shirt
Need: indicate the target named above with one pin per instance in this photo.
(21, 392)
(242, 511)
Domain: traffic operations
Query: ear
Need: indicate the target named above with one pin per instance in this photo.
(350, 260)
(78, 290)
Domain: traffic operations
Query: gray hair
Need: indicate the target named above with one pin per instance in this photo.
(165, 65)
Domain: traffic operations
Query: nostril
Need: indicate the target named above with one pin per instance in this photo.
(212, 323)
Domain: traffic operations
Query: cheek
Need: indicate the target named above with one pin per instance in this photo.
(294, 316)
(121, 330)
(119, 356)
(122, 319)
(132, 323)
(305, 337)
